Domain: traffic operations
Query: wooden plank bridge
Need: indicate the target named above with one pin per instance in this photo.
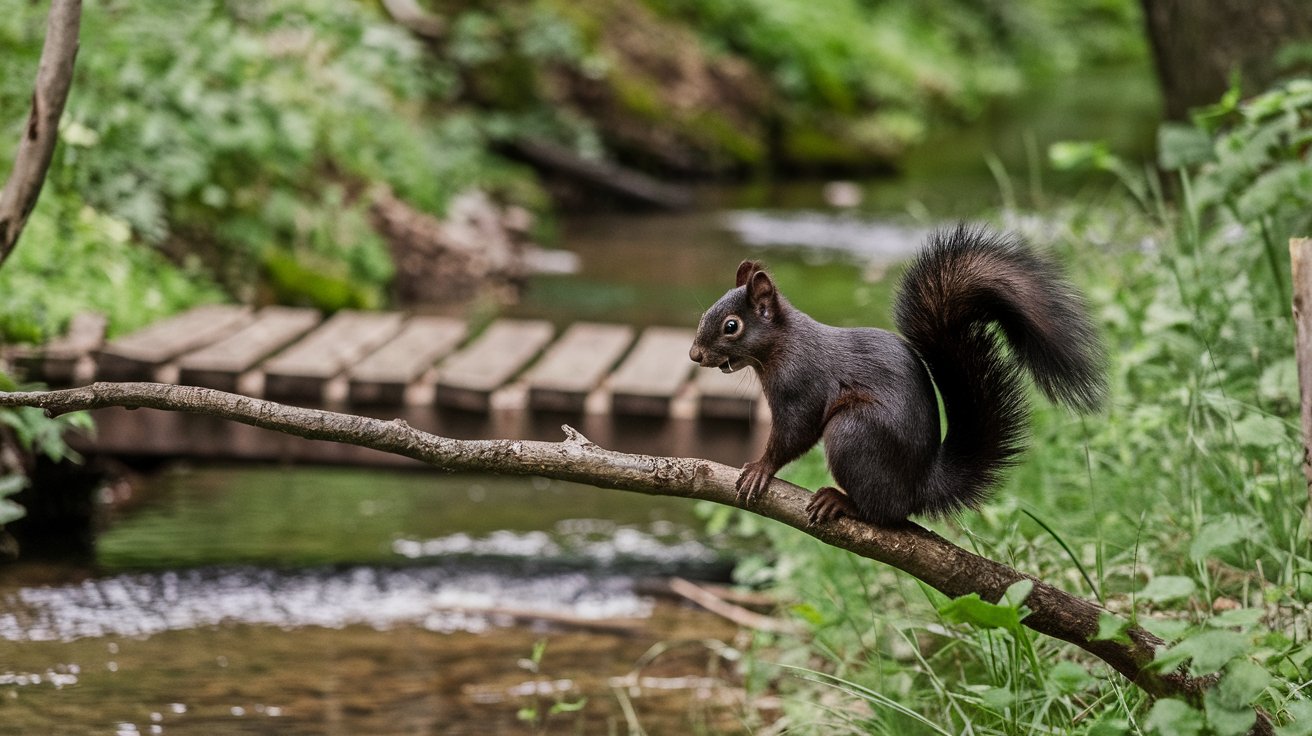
(622, 387)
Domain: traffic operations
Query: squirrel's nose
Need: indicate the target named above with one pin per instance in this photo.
(695, 354)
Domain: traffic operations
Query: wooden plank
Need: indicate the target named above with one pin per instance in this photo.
(383, 376)
(652, 374)
(136, 357)
(727, 395)
(67, 359)
(302, 371)
(575, 365)
(468, 378)
(220, 364)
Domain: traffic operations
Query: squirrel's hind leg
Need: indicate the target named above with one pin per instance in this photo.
(828, 504)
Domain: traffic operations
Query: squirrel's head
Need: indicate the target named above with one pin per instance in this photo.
(741, 328)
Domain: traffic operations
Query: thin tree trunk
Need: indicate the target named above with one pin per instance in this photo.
(54, 76)
(1300, 261)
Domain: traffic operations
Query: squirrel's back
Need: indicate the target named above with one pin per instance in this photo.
(968, 288)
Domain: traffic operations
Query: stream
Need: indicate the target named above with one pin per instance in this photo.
(307, 600)
(277, 600)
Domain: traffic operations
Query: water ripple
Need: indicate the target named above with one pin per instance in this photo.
(142, 604)
(873, 239)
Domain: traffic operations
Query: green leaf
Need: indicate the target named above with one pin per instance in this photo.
(1166, 628)
(1069, 677)
(1260, 430)
(1162, 315)
(1243, 682)
(1081, 156)
(1112, 628)
(1300, 714)
(1171, 717)
(1164, 588)
(1223, 532)
(10, 511)
(1279, 381)
(564, 706)
(1017, 592)
(1241, 618)
(12, 483)
(1227, 720)
(809, 614)
(1208, 651)
(971, 609)
(1109, 726)
(998, 699)
(1210, 117)
(1181, 146)
(527, 714)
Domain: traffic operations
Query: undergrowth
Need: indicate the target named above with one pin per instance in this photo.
(234, 139)
(1182, 507)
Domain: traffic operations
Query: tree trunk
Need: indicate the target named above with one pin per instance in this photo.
(54, 75)
(1198, 44)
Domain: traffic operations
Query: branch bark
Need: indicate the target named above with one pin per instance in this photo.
(913, 549)
(54, 76)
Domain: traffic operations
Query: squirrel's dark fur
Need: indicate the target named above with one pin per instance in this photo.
(867, 393)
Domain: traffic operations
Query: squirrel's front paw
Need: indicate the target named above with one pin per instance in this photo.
(753, 480)
(828, 504)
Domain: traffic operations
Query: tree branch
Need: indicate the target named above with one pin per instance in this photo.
(911, 548)
(54, 76)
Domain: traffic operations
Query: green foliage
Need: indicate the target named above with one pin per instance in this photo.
(9, 485)
(246, 133)
(35, 433)
(74, 258)
(1258, 168)
(916, 58)
(1166, 588)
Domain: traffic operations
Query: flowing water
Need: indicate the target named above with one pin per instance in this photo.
(301, 600)
(309, 600)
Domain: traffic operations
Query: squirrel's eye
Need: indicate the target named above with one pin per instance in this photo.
(731, 327)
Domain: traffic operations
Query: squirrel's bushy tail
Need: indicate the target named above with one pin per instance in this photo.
(964, 283)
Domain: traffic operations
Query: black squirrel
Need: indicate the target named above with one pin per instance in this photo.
(867, 393)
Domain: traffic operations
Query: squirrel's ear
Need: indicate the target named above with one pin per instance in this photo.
(745, 271)
(765, 299)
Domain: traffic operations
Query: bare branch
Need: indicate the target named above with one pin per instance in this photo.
(54, 76)
(911, 548)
